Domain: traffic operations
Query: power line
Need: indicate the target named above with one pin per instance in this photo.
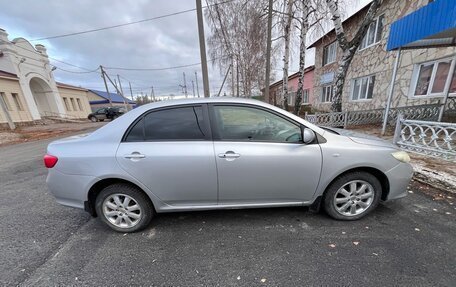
(123, 24)
(160, 69)
(76, 72)
(54, 59)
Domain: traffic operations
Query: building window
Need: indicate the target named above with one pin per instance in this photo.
(17, 101)
(5, 100)
(362, 88)
(453, 82)
(67, 106)
(73, 105)
(291, 97)
(329, 53)
(79, 103)
(327, 93)
(373, 33)
(431, 78)
(305, 96)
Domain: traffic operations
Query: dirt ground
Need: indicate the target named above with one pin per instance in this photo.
(48, 130)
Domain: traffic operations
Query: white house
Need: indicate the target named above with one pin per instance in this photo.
(28, 85)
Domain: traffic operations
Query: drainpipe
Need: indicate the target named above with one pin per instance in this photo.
(391, 91)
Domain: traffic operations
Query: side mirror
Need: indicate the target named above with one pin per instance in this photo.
(308, 135)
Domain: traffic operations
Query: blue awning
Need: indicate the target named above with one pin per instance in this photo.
(433, 25)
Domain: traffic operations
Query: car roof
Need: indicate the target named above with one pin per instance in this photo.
(203, 100)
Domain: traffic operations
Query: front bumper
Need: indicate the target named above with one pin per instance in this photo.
(399, 178)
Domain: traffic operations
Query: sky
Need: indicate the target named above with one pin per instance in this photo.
(165, 42)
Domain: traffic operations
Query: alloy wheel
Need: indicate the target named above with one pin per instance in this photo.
(354, 198)
(122, 210)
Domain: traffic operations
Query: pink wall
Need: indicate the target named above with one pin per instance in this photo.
(293, 80)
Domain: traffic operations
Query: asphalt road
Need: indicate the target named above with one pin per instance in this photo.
(411, 242)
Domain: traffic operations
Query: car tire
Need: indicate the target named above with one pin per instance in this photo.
(352, 196)
(124, 207)
(93, 119)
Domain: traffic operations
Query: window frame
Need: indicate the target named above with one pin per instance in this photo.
(206, 127)
(434, 63)
(66, 103)
(78, 101)
(352, 88)
(215, 131)
(376, 41)
(5, 99)
(305, 94)
(73, 105)
(335, 53)
(17, 102)
(332, 92)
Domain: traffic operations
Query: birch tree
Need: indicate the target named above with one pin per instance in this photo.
(288, 17)
(302, 53)
(348, 47)
(238, 35)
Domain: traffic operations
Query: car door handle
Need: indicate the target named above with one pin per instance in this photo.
(134, 156)
(229, 155)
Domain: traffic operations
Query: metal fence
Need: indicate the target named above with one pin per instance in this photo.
(435, 139)
(352, 118)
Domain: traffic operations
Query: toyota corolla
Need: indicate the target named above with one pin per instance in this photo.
(201, 154)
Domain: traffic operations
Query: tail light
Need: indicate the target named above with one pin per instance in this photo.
(50, 161)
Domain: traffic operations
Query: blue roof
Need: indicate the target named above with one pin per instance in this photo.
(115, 98)
(433, 25)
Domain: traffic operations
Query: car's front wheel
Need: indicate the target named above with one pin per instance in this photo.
(124, 208)
(93, 119)
(352, 196)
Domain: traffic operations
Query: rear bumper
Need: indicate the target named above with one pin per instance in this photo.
(68, 189)
(399, 177)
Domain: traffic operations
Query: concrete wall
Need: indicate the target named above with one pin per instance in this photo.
(18, 114)
(375, 60)
(77, 101)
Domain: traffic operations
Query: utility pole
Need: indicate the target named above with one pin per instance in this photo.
(232, 76)
(224, 79)
(268, 54)
(117, 89)
(184, 86)
(199, 15)
(237, 79)
(122, 92)
(131, 92)
(193, 87)
(120, 84)
(197, 88)
(106, 85)
(152, 93)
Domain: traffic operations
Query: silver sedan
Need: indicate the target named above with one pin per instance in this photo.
(201, 154)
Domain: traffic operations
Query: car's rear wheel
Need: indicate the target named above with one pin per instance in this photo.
(352, 196)
(93, 119)
(124, 208)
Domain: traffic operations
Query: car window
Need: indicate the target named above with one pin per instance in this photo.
(252, 124)
(136, 133)
(101, 111)
(186, 123)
